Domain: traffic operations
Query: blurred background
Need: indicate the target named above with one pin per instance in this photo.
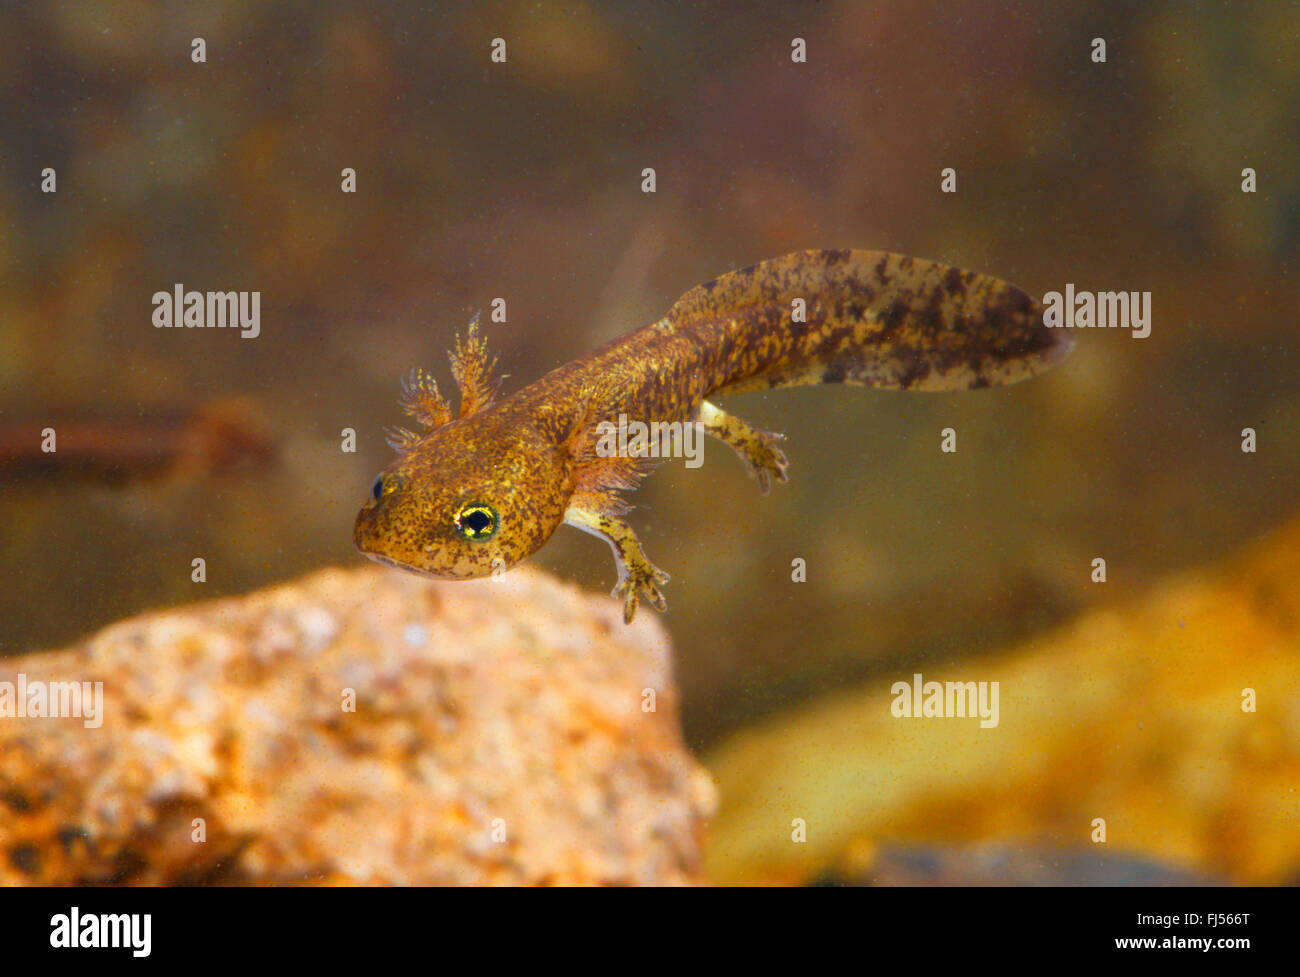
(522, 180)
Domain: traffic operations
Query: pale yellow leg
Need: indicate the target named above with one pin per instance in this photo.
(637, 576)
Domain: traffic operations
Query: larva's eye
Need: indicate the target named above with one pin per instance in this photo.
(386, 483)
(476, 521)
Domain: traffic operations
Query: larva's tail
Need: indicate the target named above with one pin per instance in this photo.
(867, 317)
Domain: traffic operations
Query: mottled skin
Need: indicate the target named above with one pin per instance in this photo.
(476, 494)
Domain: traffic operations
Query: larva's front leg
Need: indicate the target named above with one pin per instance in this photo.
(637, 576)
(757, 449)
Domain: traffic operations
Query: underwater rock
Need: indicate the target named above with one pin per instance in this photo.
(501, 733)
(1169, 720)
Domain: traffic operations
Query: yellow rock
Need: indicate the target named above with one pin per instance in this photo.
(1132, 714)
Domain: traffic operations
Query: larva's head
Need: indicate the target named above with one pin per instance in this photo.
(464, 501)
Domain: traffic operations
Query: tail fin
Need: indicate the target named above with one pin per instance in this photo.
(871, 318)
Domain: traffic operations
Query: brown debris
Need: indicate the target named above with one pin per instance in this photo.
(121, 448)
(1001, 864)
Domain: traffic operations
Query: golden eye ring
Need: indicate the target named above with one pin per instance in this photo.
(476, 521)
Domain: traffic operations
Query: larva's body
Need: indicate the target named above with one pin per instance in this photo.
(477, 494)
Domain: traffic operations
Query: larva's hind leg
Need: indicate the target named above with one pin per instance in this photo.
(757, 449)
